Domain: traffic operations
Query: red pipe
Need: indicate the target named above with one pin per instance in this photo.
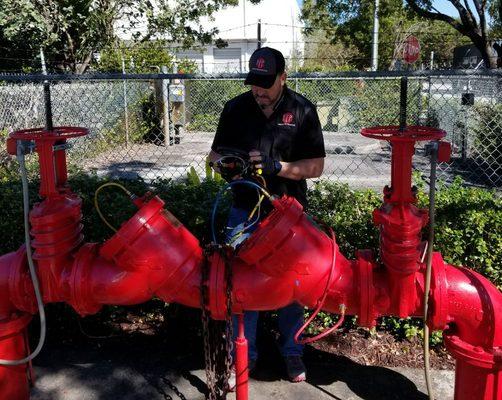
(14, 383)
(241, 362)
(153, 255)
(475, 334)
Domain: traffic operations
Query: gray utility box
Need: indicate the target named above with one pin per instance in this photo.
(177, 93)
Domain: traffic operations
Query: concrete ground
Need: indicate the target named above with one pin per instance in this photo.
(149, 369)
(351, 158)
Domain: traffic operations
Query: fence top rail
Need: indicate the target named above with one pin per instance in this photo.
(38, 77)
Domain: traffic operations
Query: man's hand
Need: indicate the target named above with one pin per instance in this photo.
(268, 165)
(226, 173)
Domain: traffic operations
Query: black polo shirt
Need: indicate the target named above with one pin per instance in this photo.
(292, 133)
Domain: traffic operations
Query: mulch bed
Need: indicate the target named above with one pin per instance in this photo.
(182, 324)
(383, 349)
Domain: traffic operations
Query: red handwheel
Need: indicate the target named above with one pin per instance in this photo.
(58, 133)
(412, 133)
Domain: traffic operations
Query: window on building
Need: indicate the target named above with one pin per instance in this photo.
(193, 56)
(227, 60)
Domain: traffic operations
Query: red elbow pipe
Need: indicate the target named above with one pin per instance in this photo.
(474, 336)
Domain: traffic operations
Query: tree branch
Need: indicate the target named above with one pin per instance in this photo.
(468, 8)
(480, 8)
(437, 16)
(467, 18)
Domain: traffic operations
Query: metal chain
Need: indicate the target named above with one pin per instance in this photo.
(204, 299)
(217, 335)
(228, 342)
(173, 387)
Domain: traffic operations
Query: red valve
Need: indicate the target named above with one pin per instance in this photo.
(393, 133)
(43, 135)
(287, 259)
(53, 171)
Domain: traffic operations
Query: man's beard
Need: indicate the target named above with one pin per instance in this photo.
(271, 102)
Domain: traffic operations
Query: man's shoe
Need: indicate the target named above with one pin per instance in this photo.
(295, 368)
(232, 381)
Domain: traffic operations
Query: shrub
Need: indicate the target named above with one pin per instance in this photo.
(207, 97)
(348, 212)
(468, 226)
(204, 122)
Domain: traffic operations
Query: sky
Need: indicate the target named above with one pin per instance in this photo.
(443, 6)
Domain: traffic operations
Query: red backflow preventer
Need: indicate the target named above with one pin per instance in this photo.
(288, 258)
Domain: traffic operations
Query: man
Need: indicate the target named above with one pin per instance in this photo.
(281, 132)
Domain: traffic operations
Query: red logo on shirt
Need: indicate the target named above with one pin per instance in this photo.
(287, 118)
(260, 63)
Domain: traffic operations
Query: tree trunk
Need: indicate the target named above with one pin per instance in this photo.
(489, 55)
(82, 66)
(486, 49)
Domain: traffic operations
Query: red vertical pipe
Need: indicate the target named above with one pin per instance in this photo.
(60, 166)
(241, 362)
(47, 169)
(473, 382)
(402, 153)
(14, 379)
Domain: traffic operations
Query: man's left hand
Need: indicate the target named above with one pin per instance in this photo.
(268, 165)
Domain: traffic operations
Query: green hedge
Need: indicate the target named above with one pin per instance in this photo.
(205, 100)
(468, 228)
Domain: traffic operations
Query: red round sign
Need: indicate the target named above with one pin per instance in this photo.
(411, 50)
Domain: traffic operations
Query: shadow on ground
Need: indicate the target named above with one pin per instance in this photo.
(171, 367)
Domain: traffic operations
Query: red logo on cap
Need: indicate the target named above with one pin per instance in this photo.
(260, 63)
(287, 118)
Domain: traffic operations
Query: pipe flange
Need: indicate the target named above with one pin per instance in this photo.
(366, 288)
(217, 287)
(112, 249)
(80, 296)
(438, 312)
(14, 325)
(20, 295)
(475, 355)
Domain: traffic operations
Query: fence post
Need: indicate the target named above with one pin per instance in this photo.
(165, 108)
(467, 102)
(403, 103)
(49, 125)
(429, 94)
(126, 113)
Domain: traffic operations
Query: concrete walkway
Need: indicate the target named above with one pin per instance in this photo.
(351, 158)
(145, 369)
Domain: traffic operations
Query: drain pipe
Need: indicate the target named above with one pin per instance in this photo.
(432, 149)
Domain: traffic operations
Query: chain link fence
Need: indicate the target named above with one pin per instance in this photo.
(162, 126)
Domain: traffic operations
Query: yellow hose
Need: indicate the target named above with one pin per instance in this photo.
(96, 205)
(260, 199)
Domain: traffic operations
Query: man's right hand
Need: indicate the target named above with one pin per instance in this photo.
(267, 165)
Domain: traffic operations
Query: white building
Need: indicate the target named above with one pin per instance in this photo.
(238, 26)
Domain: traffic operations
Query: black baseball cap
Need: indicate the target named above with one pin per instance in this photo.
(264, 66)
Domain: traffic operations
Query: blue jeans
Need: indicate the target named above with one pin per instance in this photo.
(290, 317)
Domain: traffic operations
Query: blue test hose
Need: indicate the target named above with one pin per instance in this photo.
(220, 193)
